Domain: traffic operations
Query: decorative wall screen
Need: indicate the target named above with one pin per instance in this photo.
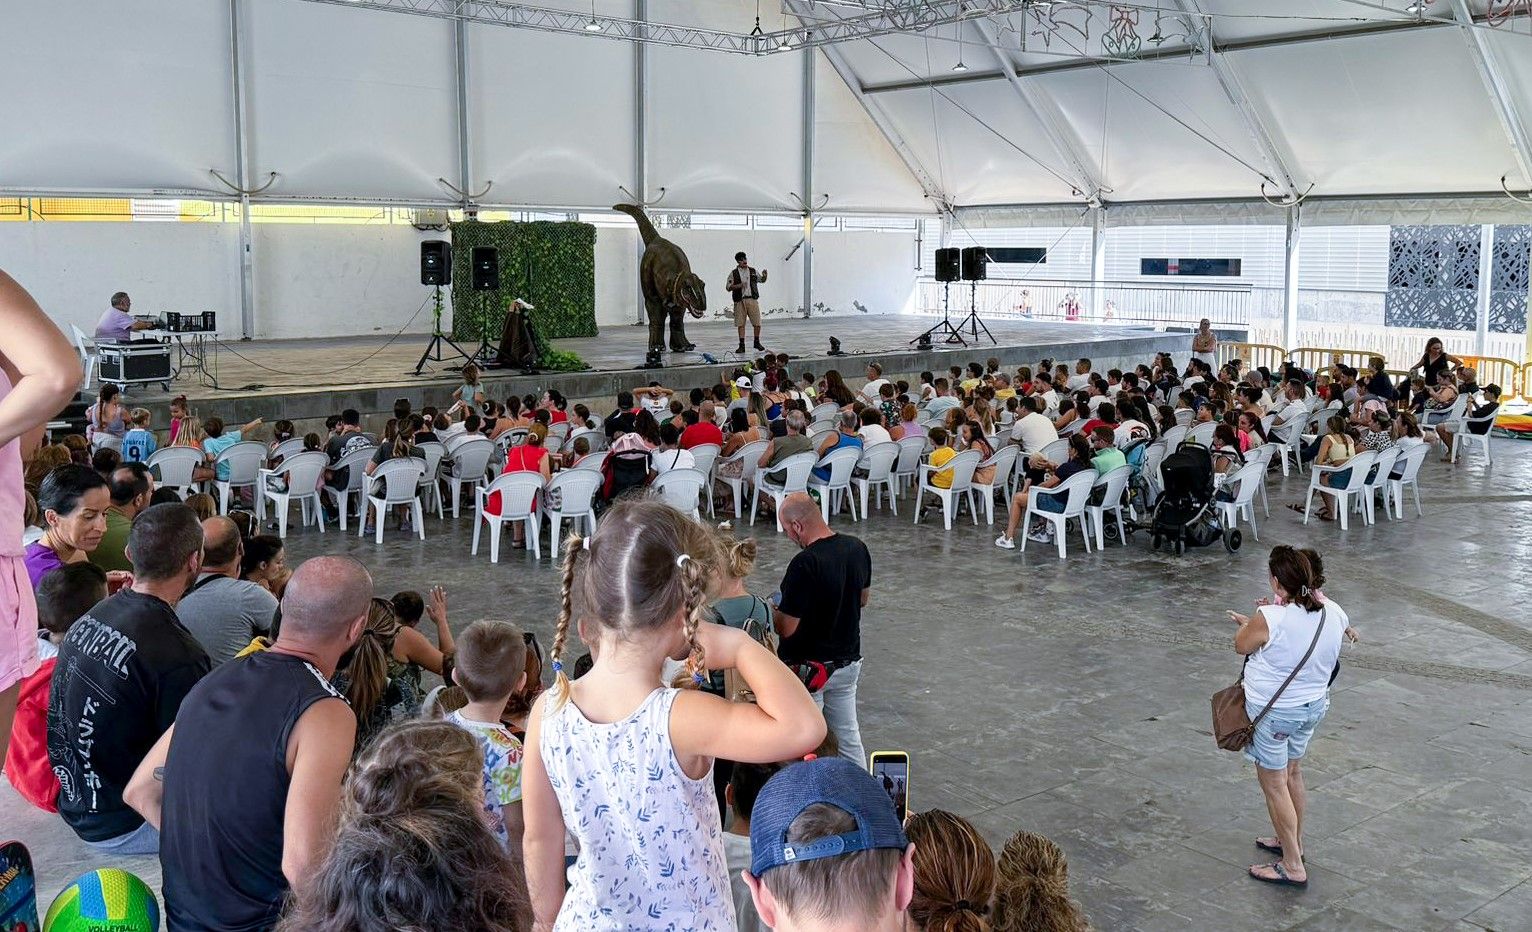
(1509, 278)
(1433, 277)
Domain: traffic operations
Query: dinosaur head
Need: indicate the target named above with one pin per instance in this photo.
(690, 293)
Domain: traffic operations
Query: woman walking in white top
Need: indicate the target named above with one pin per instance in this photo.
(1291, 648)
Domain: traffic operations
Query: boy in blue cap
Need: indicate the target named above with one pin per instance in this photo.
(828, 852)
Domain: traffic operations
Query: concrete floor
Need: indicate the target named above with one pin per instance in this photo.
(1071, 698)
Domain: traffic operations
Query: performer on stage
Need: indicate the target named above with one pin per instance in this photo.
(117, 326)
(744, 284)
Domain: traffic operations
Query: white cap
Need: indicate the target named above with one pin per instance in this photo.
(742, 382)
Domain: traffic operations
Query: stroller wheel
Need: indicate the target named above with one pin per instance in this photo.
(1232, 540)
(1180, 547)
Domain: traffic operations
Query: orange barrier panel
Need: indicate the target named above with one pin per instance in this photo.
(1255, 355)
(1509, 375)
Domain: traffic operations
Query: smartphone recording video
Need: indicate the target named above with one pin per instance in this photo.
(892, 771)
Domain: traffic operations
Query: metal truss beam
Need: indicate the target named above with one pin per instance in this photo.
(1055, 128)
(1494, 84)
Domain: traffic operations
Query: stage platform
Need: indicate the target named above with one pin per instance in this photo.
(305, 380)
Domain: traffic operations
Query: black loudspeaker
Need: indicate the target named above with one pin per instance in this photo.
(975, 263)
(486, 268)
(435, 262)
(947, 265)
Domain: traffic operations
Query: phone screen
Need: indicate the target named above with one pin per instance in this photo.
(892, 771)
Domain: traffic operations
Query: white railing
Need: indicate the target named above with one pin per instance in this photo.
(1092, 302)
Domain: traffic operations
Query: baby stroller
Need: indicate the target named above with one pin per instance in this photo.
(1184, 516)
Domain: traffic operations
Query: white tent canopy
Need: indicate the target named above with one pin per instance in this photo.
(1339, 98)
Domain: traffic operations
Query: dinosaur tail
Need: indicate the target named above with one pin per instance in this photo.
(645, 228)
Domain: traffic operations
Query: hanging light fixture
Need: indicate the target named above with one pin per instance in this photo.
(593, 25)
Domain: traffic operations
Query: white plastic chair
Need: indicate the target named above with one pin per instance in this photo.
(594, 461)
(400, 479)
(433, 453)
(1463, 438)
(680, 488)
(302, 471)
(749, 456)
(470, 462)
(841, 463)
(907, 466)
(1359, 465)
(962, 467)
(1202, 434)
(1293, 444)
(1436, 418)
(285, 449)
(795, 471)
(822, 427)
(105, 441)
(824, 412)
(175, 466)
(1262, 454)
(1076, 492)
(557, 434)
(596, 439)
(1408, 467)
(245, 460)
(877, 464)
(518, 502)
(1184, 416)
(355, 463)
(1004, 461)
(1175, 436)
(89, 358)
(1247, 479)
(1113, 484)
(1379, 482)
(1150, 470)
(576, 490)
(704, 455)
(1056, 452)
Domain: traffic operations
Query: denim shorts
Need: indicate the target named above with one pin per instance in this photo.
(1284, 734)
(1052, 503)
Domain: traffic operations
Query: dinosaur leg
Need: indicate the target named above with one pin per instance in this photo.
(656, 313)
(678, 341)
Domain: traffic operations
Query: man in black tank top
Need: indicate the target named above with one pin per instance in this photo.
(245, 786)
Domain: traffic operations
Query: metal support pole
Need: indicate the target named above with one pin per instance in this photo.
(242, 178)
(1290, 281)
(460, 47)
(640, 138)
(1097, 257)
(808, 180)
(1486, 272)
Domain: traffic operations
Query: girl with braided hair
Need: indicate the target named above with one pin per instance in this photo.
(625, 763)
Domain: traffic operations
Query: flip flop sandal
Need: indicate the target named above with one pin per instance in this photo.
(1282, 879)
(1296, 508)
(1274, 849)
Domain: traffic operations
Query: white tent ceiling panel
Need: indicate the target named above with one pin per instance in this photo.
(551, 116)
(1511, 50)
(348, 102)
(725, 131)
(1239, 20)
(1390, 114)
(853, 163)
(1144, 137)
(1010, 162)
(99, 96)
(908, 57)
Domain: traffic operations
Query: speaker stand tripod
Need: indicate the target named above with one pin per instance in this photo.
(488, 354)
(943, 328)
(434, 350)
(972, 321)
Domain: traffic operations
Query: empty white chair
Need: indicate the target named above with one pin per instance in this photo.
(433, 453)
(1175, 436)
(1202, 434)
(877, 465)
(1245, 481)
(355, 464)
(1358, 465)
(575, 491)
(793, 476)
(1406, 473)
(173, 467)
(518, 502)
(557, 434)
(824, 411)
(907, 466)
(822, 427)
(1463, 437)
(399, 481)
(1076, 492)
(1184, 416)
(1262, 454)
(1004, 461)
(1112, 485)
(680, 488)
(1378, 483)
(88, 355)
(748, 456)
(837, 487)
(962, 467)
(470, 462)
(245, 460)
(285, 449)
(102, 440)
(302, 472)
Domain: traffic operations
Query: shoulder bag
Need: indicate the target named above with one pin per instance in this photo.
(1232, 726)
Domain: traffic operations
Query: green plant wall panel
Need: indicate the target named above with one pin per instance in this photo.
(547, 264)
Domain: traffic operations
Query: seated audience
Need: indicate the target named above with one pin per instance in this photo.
(1474, 412)
(221, 610)
(380, 688)
(73, 500)
(412, 850)
(1032, 888)
(139, 443)
(123, 670)
(702, 430)
(219, 439)
(863, 880)
(954, 873)
(203, 505)
(941, 454)
(1336, 448)
(491, 667)
(131, 487)
(872, 430)
(265, 563)
(670, 454)
(1055, 473)
(64, 595)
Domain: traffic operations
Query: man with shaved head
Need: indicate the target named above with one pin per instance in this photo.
(222, 611)
(819, 616)
(245, 786)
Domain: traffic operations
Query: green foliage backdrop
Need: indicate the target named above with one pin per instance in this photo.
(551, 265)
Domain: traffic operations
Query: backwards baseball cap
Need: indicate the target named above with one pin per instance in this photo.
(743, 382)
(833, 782)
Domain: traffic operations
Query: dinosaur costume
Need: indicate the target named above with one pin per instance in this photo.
(669, 286)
